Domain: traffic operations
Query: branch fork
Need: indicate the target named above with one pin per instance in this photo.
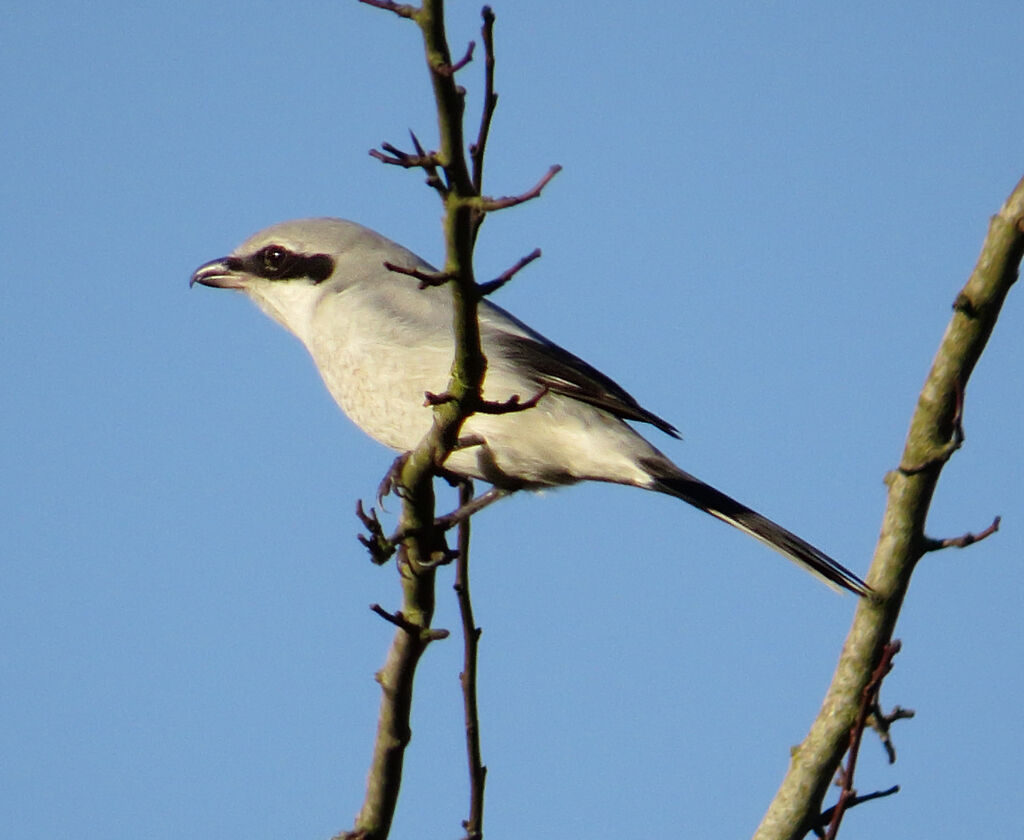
(394, 156)
(452, 69)
(425, 634)
(419, 540)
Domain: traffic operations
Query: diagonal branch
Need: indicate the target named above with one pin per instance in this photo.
(491, 286)
(869, 697)
(490, 204)
(796, 806)
(400, 9)
(452, 69)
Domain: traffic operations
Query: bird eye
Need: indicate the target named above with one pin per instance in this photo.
(273, 258)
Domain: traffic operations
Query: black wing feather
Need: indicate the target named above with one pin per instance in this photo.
(561, 372)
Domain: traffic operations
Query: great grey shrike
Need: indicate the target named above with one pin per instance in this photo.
(380, 343)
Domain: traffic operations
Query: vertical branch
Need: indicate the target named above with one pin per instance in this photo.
(796, 808)
(396, 680)
(471, 642)
(422, 544)
(476, 151)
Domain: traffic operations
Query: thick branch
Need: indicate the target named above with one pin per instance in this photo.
(797, 804)
(412, 635)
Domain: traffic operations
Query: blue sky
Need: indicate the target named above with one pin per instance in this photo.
(765, 213)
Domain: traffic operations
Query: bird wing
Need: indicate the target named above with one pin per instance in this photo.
(558, 370)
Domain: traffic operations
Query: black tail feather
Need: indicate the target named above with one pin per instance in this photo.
(707, 498)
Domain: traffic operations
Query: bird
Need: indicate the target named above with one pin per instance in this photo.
(381, 342)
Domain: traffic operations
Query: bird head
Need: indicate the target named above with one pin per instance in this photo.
(289, 267)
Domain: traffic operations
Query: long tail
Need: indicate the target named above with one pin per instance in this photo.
(684, 486)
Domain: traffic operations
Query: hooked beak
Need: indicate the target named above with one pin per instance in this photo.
(225, 273)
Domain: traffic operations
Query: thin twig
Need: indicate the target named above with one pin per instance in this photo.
(491, 286)
(426, 278)
(882, 724)
(396, 157)
(468, 678)
(477, 149)
(428, 634)
(490, 204)
(868, 699)
(854, 801)
(463, 512)
(452, 69)
(400, 9)
(430, 166)
(963, 540)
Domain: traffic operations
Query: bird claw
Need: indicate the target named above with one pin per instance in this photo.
(391, 483)
(376, 542)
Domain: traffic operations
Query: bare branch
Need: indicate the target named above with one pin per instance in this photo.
(470, 644)
(428, 634)
(400, 9)
(869, 698)
(420, 536)
(463, 512)
(491, 286)
(490, 204)
(964, 540)
(432, 399)
(956, 439)
(426, 278)
(477, 149)
(411, 639)
(396, 157)
(452, 69)
(826, 817)
(933, 428)
(430, 165)
(882, 723)
(422, 545)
